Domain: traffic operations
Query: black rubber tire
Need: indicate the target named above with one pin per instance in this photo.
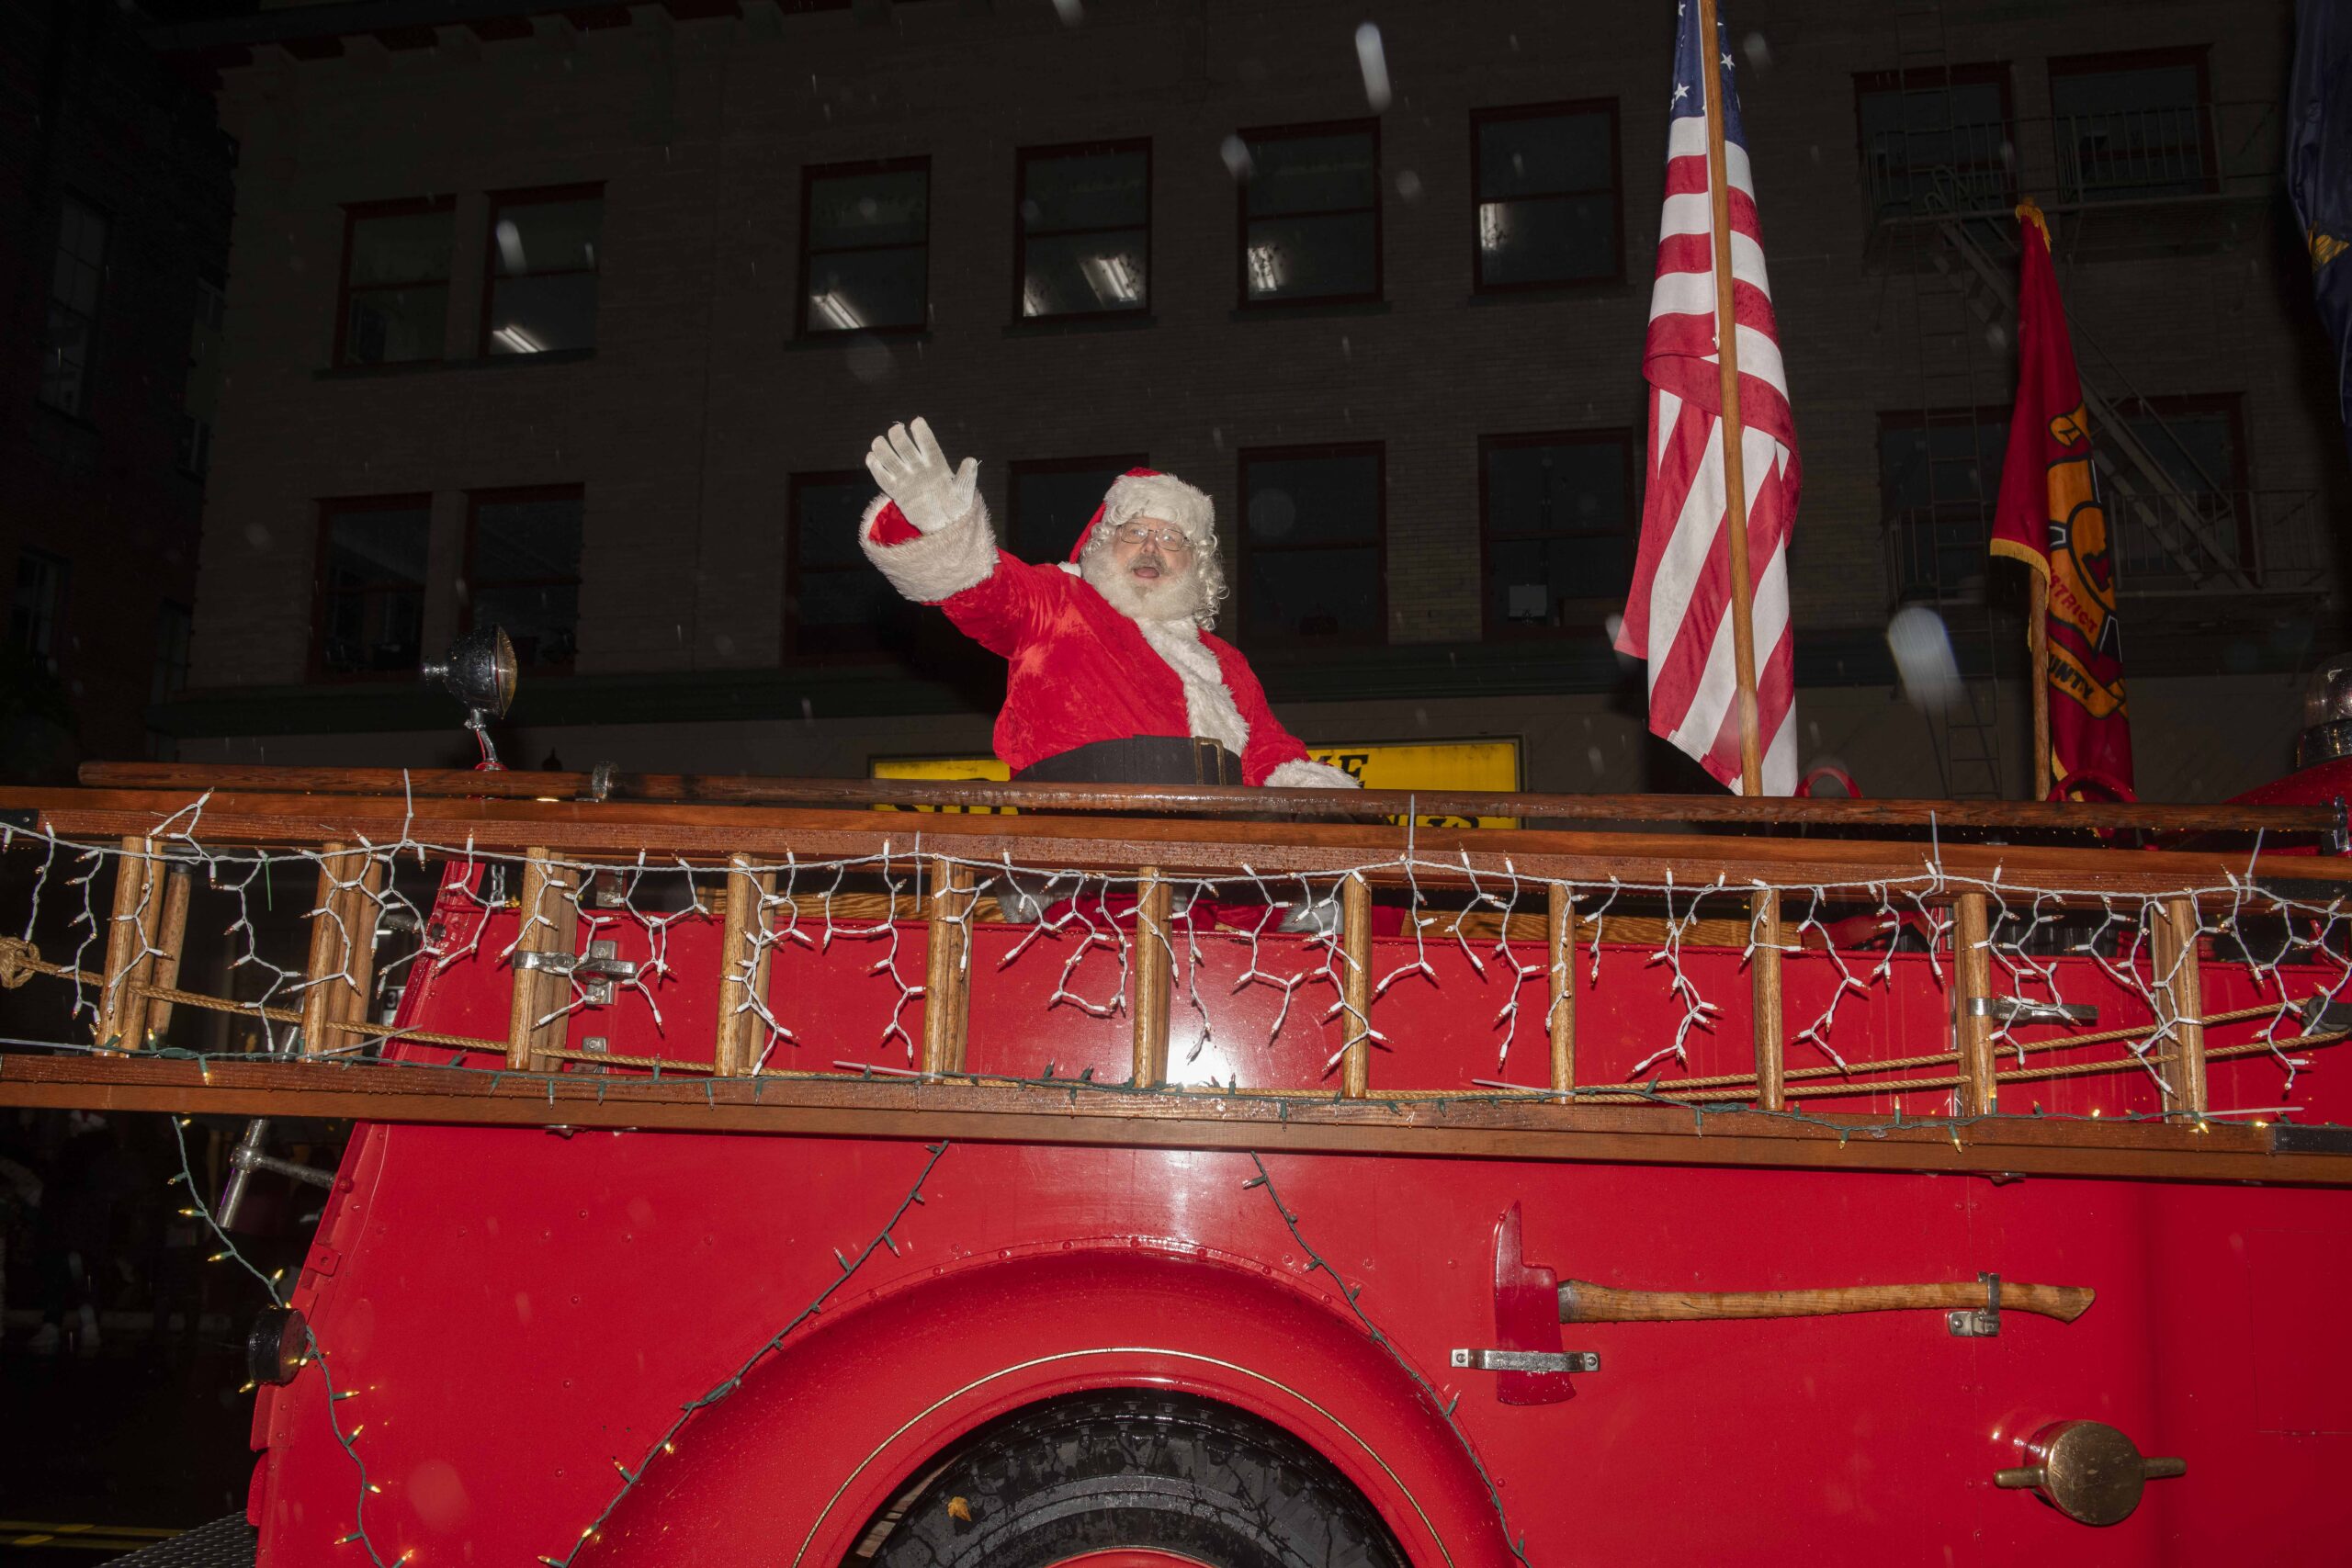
(1138, 1469)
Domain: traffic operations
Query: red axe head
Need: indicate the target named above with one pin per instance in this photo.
(1527, 1317)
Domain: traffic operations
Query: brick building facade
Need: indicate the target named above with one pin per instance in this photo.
(581, 318)
(116, 220)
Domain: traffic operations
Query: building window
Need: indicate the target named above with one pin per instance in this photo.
(2130, 127)
(35, 615)
(834, 602)
(2200, 444)
(1548, 200)
(1560, 520)
(1085, 224)
(1053, 500)
(540, 294)
(395, 302)
(523, 569)
(170, 677)
(865, 247)
(201, 394)
(1312, 530)
(371, 584)
(1310, 214)
(1940, 477)
(173, 626)
(77, 279)
(1935, 138)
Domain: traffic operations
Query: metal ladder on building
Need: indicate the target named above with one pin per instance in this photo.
(1948, 342)
(2138, 489)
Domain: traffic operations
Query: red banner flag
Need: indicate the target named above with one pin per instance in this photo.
(2050, 517)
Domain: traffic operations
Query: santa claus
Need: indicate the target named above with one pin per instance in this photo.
(1114, 676)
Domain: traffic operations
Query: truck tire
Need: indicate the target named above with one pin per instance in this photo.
(1138, 1477)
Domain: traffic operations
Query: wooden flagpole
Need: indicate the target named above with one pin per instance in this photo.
(2037, 646)
(2032, 225)
(1764, 966)
(1743, 615)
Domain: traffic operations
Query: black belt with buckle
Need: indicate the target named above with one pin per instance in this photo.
(1139, 759)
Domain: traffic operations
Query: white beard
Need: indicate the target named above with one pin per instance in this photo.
(1164, 612)
(1172, 597)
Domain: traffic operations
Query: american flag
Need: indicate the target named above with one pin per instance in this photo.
(1679, 614)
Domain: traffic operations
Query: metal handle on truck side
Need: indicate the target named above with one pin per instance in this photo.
(2088, 1470)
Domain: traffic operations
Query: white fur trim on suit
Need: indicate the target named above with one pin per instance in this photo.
(1163, 496)
(1209, 710)
(936, 566)
(1304, 775)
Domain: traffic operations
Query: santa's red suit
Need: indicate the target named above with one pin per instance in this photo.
(1080, 669)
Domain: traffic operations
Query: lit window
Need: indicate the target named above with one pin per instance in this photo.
(1560, 523)
(1311, 542)
(523, 570)
(395, 283)
(1085, 221)
(1310, 214)
(77, 278)
(371, 584)
(865, 247)
(542, 260)
(1547, 197)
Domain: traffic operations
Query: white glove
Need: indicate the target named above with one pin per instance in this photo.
(1305, 774)
(913, 471)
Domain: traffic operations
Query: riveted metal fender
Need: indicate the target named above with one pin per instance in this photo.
(791, 1468)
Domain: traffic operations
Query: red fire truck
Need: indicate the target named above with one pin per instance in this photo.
(742, 1175)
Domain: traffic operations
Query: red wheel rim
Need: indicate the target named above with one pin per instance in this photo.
(1130, 1557)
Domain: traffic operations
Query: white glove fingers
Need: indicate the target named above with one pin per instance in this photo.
(927, 444)
(903, 447)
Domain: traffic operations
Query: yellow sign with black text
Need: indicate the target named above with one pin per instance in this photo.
(1427, 765)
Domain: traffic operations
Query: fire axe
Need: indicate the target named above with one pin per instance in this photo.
(1532, 1303)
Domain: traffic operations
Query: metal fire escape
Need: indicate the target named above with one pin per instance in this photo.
(1941, 191)
(1953, 370)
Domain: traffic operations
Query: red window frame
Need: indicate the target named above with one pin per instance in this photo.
(1250, 138)
(1022, 158)
(795, 573)
(809, 175)
(474, 584)
(2116, 60)
(1928, 78)
(331, 508)
(1629, 442)
(534, 196)
(353, 214)
(1245, 552)
(1479, 120)
(1019, 469)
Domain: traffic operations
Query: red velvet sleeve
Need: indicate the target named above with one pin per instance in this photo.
(1000, 611)
(1270, 744)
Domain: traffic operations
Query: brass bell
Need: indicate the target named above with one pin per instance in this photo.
(2088, 1471)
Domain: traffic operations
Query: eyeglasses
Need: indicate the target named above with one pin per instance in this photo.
(1171, 539)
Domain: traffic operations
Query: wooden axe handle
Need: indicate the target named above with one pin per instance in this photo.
(1584, 1302)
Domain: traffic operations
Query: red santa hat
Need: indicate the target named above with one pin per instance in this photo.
(1148, 492)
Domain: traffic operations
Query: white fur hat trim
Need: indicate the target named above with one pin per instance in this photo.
(1163, 496)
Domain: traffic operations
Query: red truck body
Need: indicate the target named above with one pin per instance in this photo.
(651, 1346)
